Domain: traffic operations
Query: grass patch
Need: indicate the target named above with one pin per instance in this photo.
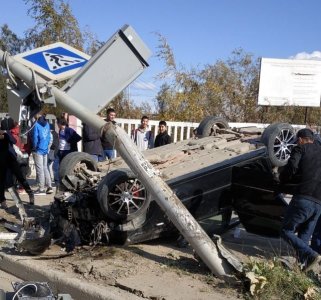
(268, 280)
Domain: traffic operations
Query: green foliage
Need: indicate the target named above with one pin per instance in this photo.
(281, 283)
(54, 22)
(10, 42)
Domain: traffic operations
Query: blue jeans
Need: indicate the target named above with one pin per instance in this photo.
(110, 153)
(316, 237)
(97, 158)
(301, 216)
(55, 168)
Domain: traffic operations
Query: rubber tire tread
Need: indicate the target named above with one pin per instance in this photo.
(204, 128)
(69, 162)
(268, 138)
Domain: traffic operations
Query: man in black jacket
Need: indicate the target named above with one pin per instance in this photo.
(8, 161)
(92, 143)
(304, 166)
(163, 138)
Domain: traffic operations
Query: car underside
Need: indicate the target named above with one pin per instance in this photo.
(219, 172)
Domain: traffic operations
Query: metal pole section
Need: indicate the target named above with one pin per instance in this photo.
(167, 200)
(163, 195)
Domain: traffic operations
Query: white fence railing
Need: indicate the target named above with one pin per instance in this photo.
(177, 130)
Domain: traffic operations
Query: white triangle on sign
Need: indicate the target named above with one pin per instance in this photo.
(57, 61)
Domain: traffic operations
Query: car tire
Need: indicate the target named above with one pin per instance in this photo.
(279, 139)
(207, 126)
(71, 161)
(121, 196)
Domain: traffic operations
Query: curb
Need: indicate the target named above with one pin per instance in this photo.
(29, 270)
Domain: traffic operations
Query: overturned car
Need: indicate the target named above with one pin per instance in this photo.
(220, 171)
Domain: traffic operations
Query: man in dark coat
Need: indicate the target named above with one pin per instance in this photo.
(92, 142)
(8, 161)
(68, 139)
(163, 138)
(304, 166)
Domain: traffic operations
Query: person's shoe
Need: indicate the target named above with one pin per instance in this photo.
(4, 205)
(31, 199)
(39, 192)
(49, 190)
(314, 265)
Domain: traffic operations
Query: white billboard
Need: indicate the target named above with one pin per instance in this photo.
(286, 82)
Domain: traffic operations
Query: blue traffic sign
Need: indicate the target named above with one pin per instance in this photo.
(57, 61)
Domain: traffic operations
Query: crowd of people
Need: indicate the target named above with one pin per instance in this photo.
(49, 146)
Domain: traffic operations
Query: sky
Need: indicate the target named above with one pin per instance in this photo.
(200, 32)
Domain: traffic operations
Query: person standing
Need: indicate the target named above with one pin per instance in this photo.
(92, 143)
(163, 138)
(40, 141)
(65, 116)
(8, 161)
(68, 139)
(109, 150)
(52, 156)
(142, 136)
(304, 209)
(21, 150)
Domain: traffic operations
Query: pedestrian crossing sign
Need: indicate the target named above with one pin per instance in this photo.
(57, 61)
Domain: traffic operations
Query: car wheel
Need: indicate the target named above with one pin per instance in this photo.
(209, 125)
(122, 197)
(73, 164)
(279, 138)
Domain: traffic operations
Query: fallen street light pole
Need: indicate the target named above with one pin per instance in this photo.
(163, 195)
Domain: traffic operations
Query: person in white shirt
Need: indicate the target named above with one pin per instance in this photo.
(142, 136)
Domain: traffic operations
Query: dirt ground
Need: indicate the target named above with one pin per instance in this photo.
(156, 270)
(153, 270)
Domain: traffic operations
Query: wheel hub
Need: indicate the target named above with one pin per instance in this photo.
(284, 145)
(126, 197)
